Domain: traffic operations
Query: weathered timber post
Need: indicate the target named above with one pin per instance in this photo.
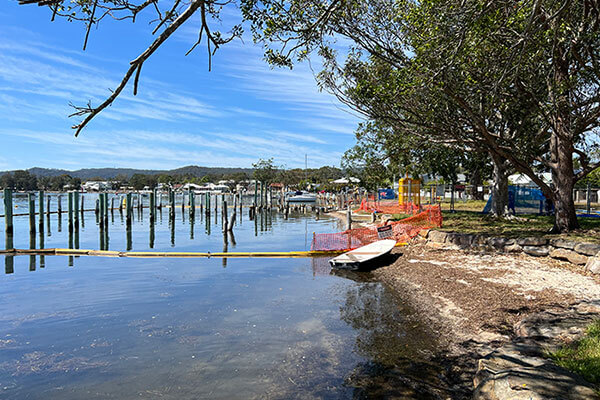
(48, 206)
(82, 209)
(59, 201)
(8, 212)
(193, 205)
(349, 219)
(172, 204)
(231, 222)
(152, 205)
(41, 217)
(224, 215)
(76, 209)
(106, 211)
(101, 213)
(128, 209)
(31, 202)
(70, 210)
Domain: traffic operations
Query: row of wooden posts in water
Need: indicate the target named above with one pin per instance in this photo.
(263, 199)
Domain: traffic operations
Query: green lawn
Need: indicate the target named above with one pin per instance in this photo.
(582, 357)
(467, 218)
(522, 225)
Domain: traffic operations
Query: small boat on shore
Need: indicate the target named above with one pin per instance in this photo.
(363, 257)
(302, 197)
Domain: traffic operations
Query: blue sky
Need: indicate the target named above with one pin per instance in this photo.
(183, 114)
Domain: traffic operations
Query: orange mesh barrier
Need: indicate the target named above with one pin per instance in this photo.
(402, 231)
(387, 207)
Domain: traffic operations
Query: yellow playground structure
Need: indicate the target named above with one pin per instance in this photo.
(409, 192)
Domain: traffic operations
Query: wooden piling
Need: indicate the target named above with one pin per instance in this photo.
(76, 209)
(101, 211)
(48, 206)
(70, 211)
(41, 216)
(128, 208)
(8, 212)
(82, 209)
(106, 211)
(349, 219)
(231, 222)
(224, 219)
(172, 203)
(152, 206)
(192, 203)
(31, 202)
(59, 201)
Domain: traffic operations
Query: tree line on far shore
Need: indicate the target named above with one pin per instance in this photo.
(264, 171)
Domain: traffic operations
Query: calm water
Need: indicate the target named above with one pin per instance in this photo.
(122, 328)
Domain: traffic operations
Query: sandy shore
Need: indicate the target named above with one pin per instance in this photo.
(473, 300)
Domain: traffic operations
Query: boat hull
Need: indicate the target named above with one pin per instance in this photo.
(365, 257)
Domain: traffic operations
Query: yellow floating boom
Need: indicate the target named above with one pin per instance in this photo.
(173, 254)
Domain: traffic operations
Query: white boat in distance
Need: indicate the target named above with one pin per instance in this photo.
(302, 197)
(363, 256)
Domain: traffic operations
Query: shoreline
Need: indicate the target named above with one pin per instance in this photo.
(477, 303)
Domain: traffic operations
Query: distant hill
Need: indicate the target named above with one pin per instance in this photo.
(109, 173)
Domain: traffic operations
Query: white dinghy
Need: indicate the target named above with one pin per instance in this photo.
(361, 257)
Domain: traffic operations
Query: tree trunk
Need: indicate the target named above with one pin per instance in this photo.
(476, 182)
(565, 218)
(500, 186)
(562, 148)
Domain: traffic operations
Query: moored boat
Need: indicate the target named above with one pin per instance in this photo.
(302, 197)
(363, 257)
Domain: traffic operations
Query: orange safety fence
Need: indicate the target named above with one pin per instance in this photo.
(371, 205)
(402, 231)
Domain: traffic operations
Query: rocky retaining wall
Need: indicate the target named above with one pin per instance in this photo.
(586, 255)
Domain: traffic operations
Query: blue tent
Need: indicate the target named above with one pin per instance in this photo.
(524, 200)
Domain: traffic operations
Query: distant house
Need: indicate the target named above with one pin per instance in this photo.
(524, 180)
(96, 186)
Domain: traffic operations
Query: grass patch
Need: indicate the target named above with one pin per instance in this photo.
(468, 219)
(582, 357)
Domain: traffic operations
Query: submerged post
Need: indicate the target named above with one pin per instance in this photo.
(48, 206)
(8, 212)
(82, 209)
(59, 200)
(128, 209)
